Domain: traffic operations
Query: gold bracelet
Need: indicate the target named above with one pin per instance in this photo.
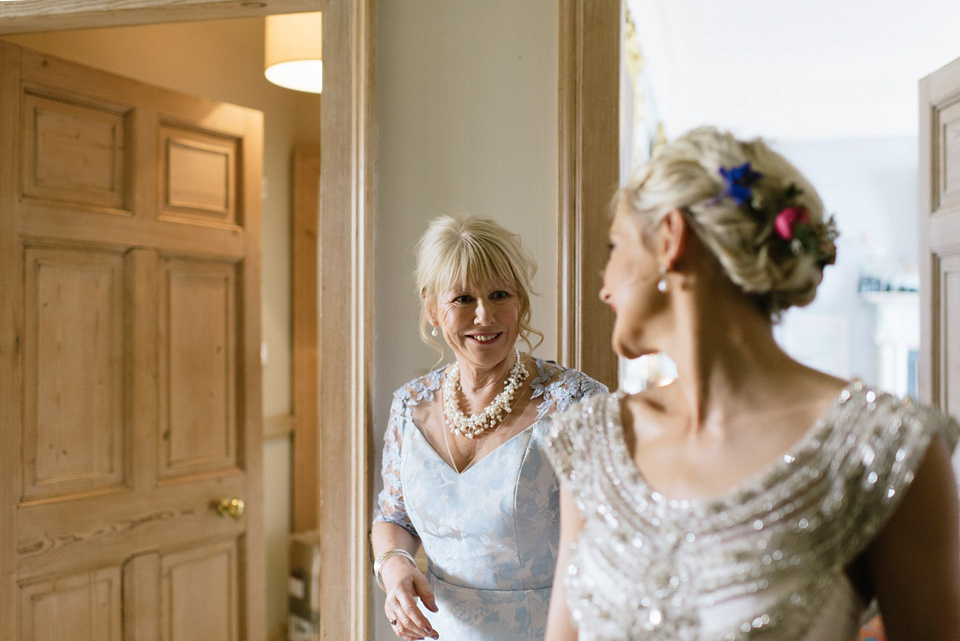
(386, 555)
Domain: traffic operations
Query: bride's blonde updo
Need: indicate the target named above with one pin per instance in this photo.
(738, 217)
(473, 251)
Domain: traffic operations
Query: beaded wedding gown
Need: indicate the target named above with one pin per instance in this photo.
(490, 532)
(766, 560)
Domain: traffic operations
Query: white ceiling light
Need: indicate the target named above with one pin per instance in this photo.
(293, 45)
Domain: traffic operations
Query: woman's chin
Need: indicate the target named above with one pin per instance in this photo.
(631, 351)
(488, 353)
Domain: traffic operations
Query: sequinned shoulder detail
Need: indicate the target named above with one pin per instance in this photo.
(760, 561)
(573, 435)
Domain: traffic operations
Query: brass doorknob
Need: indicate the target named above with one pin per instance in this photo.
(230, 507)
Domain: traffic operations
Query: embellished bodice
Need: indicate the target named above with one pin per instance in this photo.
(765, 560)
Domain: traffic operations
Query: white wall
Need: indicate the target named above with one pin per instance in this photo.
(223, 60)
(466, 110)
(870, 185)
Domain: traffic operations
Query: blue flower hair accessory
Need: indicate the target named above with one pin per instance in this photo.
(792, 229)
(739, 181)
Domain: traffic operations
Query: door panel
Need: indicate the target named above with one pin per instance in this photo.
(75, 152)
(87, 605)
(949, 310)
(199, 594)
(129, 224)
(948, 132)
(73, 429)
(199, 174)
(939, 170)
(198, 367)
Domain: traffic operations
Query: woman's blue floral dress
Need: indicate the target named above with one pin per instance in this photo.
(490, 532)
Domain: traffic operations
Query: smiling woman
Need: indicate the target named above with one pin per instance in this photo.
(463, 472)
(476, 283)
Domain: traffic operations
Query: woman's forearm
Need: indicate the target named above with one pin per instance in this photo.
(390, 536)
(559, 624)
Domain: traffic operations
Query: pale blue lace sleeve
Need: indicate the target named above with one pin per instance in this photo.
(390, 506)
(559, 387)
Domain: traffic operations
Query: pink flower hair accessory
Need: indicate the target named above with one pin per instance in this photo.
(787, 221)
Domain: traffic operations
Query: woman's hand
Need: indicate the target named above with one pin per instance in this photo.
(405, 584)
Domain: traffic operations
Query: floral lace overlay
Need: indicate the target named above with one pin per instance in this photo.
(491, 531)
(557, 388)
(762, 562)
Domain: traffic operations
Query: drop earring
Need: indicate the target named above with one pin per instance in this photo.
(433, 332)
(662, 284)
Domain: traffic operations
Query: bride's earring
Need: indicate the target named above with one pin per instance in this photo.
(662, 285)
(433, 332)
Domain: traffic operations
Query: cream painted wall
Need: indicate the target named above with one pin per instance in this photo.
(223, 60)
(466, 110)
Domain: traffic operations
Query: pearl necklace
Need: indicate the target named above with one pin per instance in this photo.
(476, 424)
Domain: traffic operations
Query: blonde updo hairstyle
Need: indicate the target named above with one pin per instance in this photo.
(473, 251)
(685, 174)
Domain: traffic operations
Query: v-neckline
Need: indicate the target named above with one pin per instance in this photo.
(475, 463)
(808, 443)
(538, 367)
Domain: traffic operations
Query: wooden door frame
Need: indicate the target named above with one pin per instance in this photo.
(345, 285)
(589, 172)
(57, 15)
(10, 349)
(305, 235)
(346, 289)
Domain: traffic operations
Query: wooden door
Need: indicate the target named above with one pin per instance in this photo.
(939, 170)
(129, 359)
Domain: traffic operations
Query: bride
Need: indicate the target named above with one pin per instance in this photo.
(753, 497)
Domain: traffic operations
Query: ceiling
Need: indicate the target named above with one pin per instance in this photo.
(815, 69)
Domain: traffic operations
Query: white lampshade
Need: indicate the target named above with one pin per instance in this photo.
(292, 51)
